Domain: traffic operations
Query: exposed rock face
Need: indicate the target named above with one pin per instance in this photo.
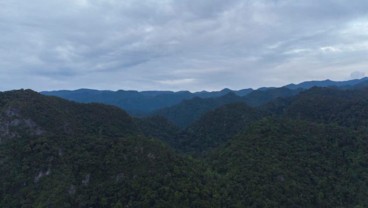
(86, 179)
(42, 174)
(13, 125)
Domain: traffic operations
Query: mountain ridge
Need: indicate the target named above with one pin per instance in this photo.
(143, 103)
(305, 149)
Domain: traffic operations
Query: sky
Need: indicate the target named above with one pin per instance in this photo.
(180, 44)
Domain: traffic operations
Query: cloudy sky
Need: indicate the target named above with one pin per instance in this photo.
(180, 44)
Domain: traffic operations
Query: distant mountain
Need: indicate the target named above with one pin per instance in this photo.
(327, 83)
(348, 108)
(188, 111)
(137, 103)
(263, 96)
(144, 103)
(217, 127)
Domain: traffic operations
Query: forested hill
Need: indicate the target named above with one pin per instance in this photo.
(308, 149)
(347, 108)
(293, 163)
(325, 105)
(43, 115)
(189, 111)
(56, 153)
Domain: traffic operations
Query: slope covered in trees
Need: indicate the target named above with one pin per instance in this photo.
(291, 163)
(56, 153)
(158, 127)
(217, 127)
(189, 111)
(325, 105)
(303, 150)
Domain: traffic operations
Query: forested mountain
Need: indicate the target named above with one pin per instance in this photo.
(291, 163)
(261, 97)
(138, 103)
(145, 102)
(42, 115)
(326, 105)
(328, 83)
(160, 128)
(288, 148)
(216, 127)
(189, 111)
(55, 153)
(348, 108)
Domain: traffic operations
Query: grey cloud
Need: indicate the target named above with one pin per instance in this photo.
(175, 45)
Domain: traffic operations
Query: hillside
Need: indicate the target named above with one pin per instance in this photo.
(290, 163)
(306, 150)
(325, 105)
(158, 127)
(56, 153)
(217, 127)
(189, 111)
(261, 97)
(54, 116)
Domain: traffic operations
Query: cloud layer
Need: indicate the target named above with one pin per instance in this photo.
(179, 44)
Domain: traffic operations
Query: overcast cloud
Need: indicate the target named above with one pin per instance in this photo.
(180, 44)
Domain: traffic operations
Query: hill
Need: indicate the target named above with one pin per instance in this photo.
(160, 128)
(217, 127)
(347, 108)
(307, 149)
(43, 115)
(189, 111)
(56, 153)
(291, 163)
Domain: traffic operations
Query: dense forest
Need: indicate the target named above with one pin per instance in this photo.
(280, 147)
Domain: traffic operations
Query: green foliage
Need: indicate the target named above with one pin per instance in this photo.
(347, 108)
(94, 172)
(158, 127)
(291, 163)
(189, 111)
(217, 127)
(309, 150)
(98, 159)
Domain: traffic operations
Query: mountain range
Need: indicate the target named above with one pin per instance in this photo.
(148, 102)
(271, 147)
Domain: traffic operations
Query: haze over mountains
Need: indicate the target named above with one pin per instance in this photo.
(174, 106)
(274, 147)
